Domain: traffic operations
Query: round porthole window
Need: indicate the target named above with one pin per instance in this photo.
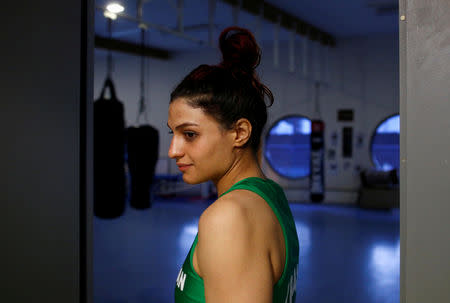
(287, 147)
(385, 146)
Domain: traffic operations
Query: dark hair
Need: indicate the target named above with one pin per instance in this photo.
(230, 90)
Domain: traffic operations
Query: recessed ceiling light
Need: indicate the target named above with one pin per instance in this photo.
(115, 7)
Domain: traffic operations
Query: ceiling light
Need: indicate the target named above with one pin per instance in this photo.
(115, 8)
(110, 15)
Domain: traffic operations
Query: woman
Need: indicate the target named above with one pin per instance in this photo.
(246, 249)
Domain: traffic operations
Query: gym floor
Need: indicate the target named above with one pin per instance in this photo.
(346, 254)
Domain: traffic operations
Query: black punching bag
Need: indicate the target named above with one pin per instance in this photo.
(143, 144)
(109, 155)
(317, 159)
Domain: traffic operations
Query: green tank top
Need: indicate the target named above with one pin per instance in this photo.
(189, 285)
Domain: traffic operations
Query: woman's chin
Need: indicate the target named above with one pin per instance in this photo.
(192, 180)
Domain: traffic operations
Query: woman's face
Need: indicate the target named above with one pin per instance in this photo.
(202, 149)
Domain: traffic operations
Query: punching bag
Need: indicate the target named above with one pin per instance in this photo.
(143, 149)
(109, 155)
(316, 180)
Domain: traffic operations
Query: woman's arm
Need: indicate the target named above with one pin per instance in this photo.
(232, 259)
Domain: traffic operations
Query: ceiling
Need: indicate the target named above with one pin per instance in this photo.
(341, 19)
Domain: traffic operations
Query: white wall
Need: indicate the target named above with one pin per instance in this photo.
(362, 75)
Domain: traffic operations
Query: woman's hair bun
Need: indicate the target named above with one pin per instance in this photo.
(239, 49)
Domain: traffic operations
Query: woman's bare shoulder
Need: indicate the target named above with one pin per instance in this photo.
(229, 254)
(240, 213)
(225, 212)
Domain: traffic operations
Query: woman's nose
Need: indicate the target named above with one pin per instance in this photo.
(175, 150)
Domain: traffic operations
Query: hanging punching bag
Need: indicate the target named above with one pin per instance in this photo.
(317, 159)
(143, 150)
(109, 152)
(316, 176)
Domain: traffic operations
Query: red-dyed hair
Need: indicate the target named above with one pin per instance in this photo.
(230, 90)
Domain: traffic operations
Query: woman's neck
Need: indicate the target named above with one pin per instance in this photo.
(246, 165)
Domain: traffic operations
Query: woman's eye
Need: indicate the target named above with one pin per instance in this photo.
(190, 135)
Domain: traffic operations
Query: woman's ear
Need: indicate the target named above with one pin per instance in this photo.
(243, 131)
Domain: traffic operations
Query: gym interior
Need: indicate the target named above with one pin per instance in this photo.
(370, 201)
(344, 74)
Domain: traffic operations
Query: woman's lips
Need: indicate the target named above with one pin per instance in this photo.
(183, 167)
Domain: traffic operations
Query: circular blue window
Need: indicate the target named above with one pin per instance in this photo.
(385, 146)
(287, 147)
